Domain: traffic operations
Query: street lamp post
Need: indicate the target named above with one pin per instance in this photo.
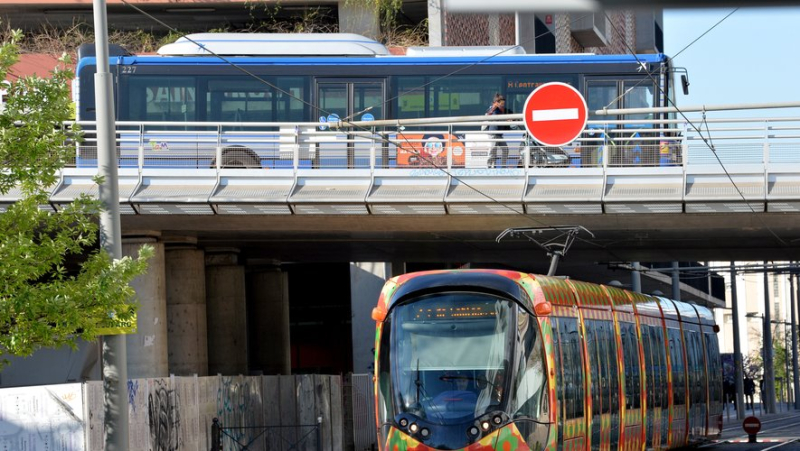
(769, 369)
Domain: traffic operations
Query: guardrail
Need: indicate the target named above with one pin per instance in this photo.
(443, 142)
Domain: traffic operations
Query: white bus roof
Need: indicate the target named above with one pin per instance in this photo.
(274, 44)
(487, 50)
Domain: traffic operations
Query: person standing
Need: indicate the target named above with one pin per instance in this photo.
(749, 391)
(498, 145)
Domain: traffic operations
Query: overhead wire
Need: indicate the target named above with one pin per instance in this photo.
(387, 140)
(699, 132)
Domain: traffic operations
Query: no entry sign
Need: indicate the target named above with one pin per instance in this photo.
(751, 425)
(555, 114)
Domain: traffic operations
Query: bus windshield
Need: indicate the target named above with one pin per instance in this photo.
(450, 354)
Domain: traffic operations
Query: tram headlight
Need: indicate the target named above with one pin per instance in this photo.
(403, 422)
(413, 427)
(497, 420)
(473, 431)
(485, 425)
(425, 433)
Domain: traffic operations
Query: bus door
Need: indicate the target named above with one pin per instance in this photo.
(347, 100)
(627, 144)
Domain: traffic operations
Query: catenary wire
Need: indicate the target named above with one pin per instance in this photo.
(386, 140)
(700, 134)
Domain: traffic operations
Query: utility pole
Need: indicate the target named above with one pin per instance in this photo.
(115, 365)
(769, 370)
(793, 321)
(737, 348)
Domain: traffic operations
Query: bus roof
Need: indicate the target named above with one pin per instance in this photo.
(274, 44)
(388, 60)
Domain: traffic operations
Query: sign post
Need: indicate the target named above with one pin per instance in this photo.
(555, 114)
(751, 425)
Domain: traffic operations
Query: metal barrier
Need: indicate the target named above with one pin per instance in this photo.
(444, 142)
(265, 436)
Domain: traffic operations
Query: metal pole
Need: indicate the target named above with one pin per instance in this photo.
(676, 281)
(795, 320)
(737, 348)
(769, 370)
(115, 367)
(636, 278)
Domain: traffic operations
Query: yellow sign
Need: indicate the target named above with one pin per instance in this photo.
(113, 325)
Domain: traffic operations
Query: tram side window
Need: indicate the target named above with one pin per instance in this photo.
(630, 352)
(695, 366)
(678, 375)
(659, 365)
(649, 364)
(571, 367)
(597, 381)
(714, 367)
(161, 98)
(531, 381)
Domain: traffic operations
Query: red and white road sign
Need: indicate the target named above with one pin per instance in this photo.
(555, 114)
(751, 425)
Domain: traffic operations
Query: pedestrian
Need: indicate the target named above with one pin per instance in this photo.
(498, 107)
(749, 391)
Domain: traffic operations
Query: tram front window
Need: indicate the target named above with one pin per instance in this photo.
(451, 356)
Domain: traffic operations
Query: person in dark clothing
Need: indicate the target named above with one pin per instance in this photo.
(749, 391)
(498, 107)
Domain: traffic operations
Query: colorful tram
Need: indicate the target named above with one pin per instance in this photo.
(502, 360)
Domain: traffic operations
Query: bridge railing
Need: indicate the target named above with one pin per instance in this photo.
(443, 142)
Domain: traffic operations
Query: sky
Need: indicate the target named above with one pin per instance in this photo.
(753, 56)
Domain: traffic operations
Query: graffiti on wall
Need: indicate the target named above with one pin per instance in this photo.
(163, 406)
(239, 406)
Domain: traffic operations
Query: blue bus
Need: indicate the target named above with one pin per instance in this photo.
(301, 78)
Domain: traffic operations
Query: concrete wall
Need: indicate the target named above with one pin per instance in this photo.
(174, 413)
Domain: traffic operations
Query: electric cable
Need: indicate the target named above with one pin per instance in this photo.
(700, 134)
(386, 140)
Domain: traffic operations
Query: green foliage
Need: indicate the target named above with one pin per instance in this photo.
(56, 286)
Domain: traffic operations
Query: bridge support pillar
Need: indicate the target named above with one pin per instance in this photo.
(226, 312)
(269, 310)
(148, 349)
(366, 281)
(186, 308)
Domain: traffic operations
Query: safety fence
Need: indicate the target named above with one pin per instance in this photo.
(466, 142)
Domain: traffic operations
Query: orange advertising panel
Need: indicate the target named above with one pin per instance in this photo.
(428, 149)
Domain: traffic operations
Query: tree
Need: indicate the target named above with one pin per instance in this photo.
(56, 285)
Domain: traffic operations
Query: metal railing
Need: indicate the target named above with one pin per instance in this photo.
(443, 142)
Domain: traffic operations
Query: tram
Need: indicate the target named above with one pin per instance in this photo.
(503, 360)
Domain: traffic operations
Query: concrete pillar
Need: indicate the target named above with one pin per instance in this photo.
(359, 18)
(226, 313)
(436, 37)
(676, 281)
(636, 278)
(186, 308)
(269, 310)
(148, 349)
(366, 281)
(526, 31)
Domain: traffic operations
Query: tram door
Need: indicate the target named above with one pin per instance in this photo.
(632, 382)
(348, 100)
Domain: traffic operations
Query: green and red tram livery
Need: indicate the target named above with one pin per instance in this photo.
(502, 360)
